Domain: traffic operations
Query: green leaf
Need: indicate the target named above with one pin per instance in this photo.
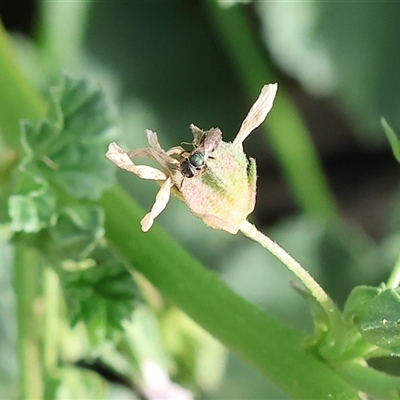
(98, 289)
(65, 150)
(357, 299)
(101, 297)
(69, 147)
(76, 383)
(393, 139)
(320, 318)
(33, 206)
(78, 231)
(378, 318)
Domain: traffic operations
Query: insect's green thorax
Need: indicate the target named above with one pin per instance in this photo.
(197, 159)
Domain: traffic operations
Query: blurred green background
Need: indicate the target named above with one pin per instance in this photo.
(167, 65)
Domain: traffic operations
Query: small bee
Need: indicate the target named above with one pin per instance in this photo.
(204, 144)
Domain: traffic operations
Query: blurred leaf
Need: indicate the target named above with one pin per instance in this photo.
(320, 43)
(393, 139)
(101, 297)
(143, 337)
(200, 359)
(78, 231)
(33, 205)
(231, 3)
(319, 338)
(69, 148)
(76, 384)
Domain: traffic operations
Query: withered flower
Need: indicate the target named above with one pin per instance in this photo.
(216, 179)
(218, 183)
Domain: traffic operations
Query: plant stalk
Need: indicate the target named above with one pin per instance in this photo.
(333, 314)
(26, 275)
(270, 347)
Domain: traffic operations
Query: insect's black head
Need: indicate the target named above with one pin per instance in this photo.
(187, 169)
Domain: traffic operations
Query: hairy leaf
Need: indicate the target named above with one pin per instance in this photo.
(69, 147)
(78, 231)
(33, 205)
(101, 297)
(65, 150)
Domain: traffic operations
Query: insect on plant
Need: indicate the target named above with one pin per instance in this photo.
(204, 144)
(227, 196)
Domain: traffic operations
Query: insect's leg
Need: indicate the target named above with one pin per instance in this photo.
(177, 150)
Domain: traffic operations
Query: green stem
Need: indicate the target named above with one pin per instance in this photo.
(18, 98)
(284, 127)
(394, 279)
(59, 20)
(368, 380)
(308, 281)
(336, 325)
(51, 332)
(272, 348)
(26, 275)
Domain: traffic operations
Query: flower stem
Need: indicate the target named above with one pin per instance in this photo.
(332, 312)
(270, 347)
(309, 282)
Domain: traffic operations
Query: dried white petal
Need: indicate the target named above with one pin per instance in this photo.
(257, 113)
(197, 134)
(153, 139)
(176, 150)
(158, 206)
(121, 159)
(141, 153)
